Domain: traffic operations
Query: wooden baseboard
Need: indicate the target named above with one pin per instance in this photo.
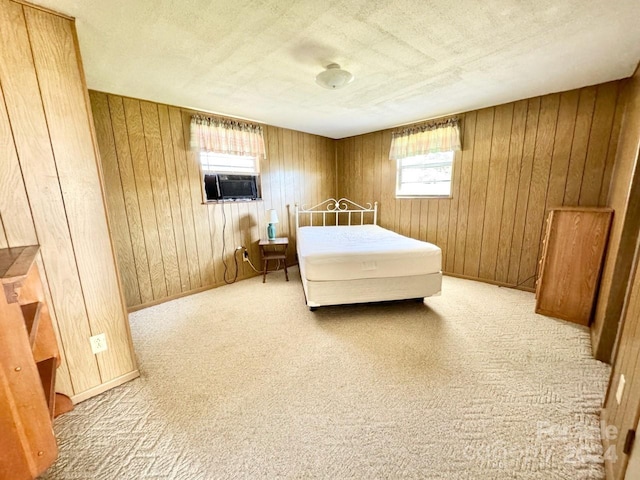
(492, 282)
(159, 301)
(92, 392)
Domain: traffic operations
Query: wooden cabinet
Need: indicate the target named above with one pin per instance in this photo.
(572, 255)
(29, 358)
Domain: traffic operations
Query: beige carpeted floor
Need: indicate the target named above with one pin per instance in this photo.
(244, 382)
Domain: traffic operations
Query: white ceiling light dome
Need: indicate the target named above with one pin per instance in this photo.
(334, 77)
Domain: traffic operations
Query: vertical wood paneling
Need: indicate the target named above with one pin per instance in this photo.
(28, 123)
(119, 224)
(624, 198)
(174, 197)
(518, 159)
(65, 104)
(180, 146)
(538, 188)
(449, 259)
(200, 214)
(510, 200)
(465, 187)
(496, 184)
(478, 193)
(52, 194)
(17, 228)
(580, 145)
(130, 193)
(160, 195)
(562, 148)
(603, 115)
(524, 184)
(623, 415)
(163, 197)
(135, 134)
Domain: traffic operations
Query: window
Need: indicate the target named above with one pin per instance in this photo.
(424, 156)
(227, 163)
(230, 152)
(425, 175)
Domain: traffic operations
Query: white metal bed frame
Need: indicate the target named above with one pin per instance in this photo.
(343, 206)
(338, 292)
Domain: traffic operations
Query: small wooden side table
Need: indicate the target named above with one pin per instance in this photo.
(275, 249)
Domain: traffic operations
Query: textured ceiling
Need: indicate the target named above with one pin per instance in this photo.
(412, 59)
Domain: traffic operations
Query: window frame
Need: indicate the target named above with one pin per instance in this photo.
(399, 167)
(256, 173)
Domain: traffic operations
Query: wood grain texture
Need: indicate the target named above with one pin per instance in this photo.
(137, 143)
(624, 415)
(547, 122)
(571, 263)
(624, 198)
(518, 160)
(29, 126)
(176, 240)
(119, 223)
(161, 198)
(129, 192)
(65, 104)
(55, 195)
(17, 228)
(174, 197)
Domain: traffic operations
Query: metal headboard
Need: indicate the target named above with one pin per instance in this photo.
(334, 207)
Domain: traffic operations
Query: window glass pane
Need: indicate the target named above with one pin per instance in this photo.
(217, 162)
(425, 175)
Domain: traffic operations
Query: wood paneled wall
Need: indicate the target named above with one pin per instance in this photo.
(167, 241)
(624, 415)
(625, 200)
(518, 160)
(619, 303)
(51, 194)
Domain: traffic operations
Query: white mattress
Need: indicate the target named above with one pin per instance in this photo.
(363, 251)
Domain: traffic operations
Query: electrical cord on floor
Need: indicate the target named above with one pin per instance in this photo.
(251, 263)
(224, 246)
(254, 268)
(519, 284)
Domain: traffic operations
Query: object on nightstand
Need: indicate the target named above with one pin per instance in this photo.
(272, 219)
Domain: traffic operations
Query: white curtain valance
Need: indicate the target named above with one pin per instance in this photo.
(423, 139)
(226, 136)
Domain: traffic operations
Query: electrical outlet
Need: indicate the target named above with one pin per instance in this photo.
(620, 390)
(98, 343)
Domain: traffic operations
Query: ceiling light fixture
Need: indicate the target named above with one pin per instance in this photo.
(334, 77)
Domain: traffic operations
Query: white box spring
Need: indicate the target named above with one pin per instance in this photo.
(363, 251)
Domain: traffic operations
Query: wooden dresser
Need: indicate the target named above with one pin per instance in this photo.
(28, 361)
(572, 256)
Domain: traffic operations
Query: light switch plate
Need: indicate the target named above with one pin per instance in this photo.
(98, 343)
(620, 390)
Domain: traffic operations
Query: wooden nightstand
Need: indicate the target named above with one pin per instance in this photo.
(275, 249)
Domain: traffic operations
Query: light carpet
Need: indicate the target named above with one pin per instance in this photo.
(245, 382)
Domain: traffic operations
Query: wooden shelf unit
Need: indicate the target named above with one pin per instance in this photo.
(29, 358)
(572, 255)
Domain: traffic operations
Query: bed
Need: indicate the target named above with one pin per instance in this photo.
(345, 257)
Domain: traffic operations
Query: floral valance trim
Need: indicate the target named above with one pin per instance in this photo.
(231, 137)
(427, 138)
